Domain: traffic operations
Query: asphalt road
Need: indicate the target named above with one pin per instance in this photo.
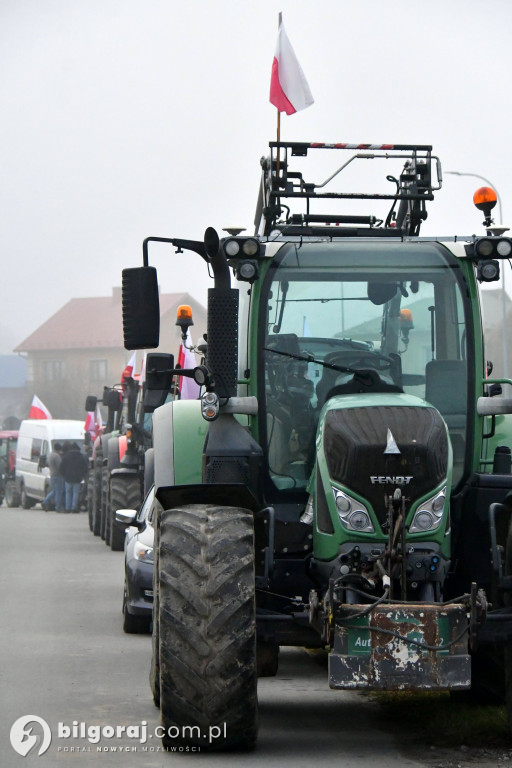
(64, 658)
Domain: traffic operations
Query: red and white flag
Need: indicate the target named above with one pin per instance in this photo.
(129, 368)
(90, 423)
(38, 410)
(289, 89)
(94, 422)
(189, 390)
(98, 421)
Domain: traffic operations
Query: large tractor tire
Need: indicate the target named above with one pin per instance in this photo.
(27, 502)
(90, 498)
(207, 628)
(267, 658)
(12, 497)
(104, 527)
(154, 672)
(508, 644)
(96, 499)
(124, 493)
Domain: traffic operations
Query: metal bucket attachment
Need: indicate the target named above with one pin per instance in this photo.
(401, 647)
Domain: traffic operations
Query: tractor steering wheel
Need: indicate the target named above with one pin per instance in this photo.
(375, 360)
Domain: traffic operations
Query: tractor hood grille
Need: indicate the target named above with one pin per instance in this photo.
(355, 445)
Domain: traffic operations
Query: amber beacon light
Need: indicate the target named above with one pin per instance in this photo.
(485, 198)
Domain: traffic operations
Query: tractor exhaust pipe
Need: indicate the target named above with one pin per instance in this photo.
(222, 321)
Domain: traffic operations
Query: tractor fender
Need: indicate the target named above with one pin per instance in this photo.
(103, 447)
(125, 471)
(112, 453)
(179, 433)
(221, 495)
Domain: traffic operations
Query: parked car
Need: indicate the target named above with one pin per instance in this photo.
(138, 564)
(35, 442)
(8, 440)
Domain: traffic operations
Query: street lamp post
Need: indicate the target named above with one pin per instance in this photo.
(503, 290)
(477, 176)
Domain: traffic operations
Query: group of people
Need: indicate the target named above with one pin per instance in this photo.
(68, 467)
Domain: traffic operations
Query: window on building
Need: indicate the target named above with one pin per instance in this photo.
(53, 370)
(98, 370)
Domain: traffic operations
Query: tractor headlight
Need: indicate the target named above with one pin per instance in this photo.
(232, 247)
(251, 247)
(488, 271)
(485, 247)
(504, 248)
(353, 515)
(429, 514)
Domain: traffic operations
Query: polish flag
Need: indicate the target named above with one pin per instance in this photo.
(38, 410)
(189, 390)
(90, 423)
(94, 422)
(129, 368)
(289, 90)
(98, 421)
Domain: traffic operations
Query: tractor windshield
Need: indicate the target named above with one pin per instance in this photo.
(346, 317)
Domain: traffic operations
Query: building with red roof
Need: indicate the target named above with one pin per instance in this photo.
(79, 350)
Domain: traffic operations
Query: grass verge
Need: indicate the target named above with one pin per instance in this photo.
(444, 720)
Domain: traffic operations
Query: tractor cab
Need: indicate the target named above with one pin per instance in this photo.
(349, 318)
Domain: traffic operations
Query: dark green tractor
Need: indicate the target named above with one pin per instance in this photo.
(341, 483)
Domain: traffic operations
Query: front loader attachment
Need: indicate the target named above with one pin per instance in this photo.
(401, 647)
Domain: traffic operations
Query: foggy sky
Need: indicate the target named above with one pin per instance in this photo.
(128, 118)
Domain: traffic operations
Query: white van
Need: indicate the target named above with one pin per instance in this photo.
(35, 442)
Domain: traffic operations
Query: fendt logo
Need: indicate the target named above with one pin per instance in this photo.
(22, 738)
(391, 479)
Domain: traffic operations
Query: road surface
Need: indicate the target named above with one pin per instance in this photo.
(65, 659)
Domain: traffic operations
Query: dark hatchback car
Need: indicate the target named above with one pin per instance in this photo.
(138, 565)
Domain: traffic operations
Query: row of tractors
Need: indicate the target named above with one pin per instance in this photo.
(121, 455)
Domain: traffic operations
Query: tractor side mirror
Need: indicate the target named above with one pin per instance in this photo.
(112, 399)
(159, 375)
(91, 403)
(141, 308)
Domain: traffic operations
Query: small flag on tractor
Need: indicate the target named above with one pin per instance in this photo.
(94, 422)
(129, 368)
(188, 388)
(289, 89)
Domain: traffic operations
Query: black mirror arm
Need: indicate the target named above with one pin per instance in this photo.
(188, 245)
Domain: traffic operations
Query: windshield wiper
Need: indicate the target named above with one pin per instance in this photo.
(311, 359)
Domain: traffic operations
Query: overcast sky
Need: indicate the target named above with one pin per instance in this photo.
(128, 118)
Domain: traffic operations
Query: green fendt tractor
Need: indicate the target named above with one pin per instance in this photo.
(342, 480)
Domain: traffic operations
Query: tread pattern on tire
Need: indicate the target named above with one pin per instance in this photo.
(96, 495)
(104, 505)
(12, 497)
(154, 673)
(207, 625)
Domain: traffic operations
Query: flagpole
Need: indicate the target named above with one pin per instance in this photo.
(279, 20)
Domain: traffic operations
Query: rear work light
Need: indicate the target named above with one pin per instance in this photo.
(493, 248)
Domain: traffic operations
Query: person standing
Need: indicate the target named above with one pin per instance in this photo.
(55, 497)
(73, 469)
